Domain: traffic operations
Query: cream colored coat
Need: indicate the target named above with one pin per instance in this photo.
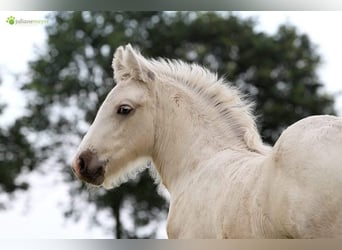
(202, 140)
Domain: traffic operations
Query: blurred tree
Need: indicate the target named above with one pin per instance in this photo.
(16, 156)
(72, 77)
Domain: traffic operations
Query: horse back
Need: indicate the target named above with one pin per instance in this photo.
(309, 145)
(307, 174)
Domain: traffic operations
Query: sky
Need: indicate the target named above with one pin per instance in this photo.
(37, 214)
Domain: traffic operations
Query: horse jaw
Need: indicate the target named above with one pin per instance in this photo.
(129, 171)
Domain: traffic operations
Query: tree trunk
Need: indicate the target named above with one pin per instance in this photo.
(118, 227)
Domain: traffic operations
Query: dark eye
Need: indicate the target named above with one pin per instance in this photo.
(124, 110)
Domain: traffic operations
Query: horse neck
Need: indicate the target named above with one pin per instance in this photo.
(187, 132)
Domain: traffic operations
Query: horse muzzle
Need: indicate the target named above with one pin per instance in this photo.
(89, 168)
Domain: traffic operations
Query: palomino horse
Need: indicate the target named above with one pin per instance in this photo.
(203, 142)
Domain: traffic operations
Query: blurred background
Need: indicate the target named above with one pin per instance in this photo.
(55, 74)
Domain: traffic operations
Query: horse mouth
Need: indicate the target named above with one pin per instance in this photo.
(88, 168)
(95, 178)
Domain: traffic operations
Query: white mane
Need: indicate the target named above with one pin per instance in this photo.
(215, 91)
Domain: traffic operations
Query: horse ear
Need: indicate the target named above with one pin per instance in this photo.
(117, 64)
(128, 62)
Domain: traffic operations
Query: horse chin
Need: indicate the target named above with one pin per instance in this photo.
(97, 183)
(116, 175)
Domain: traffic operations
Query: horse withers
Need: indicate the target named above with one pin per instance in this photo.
(202, 140)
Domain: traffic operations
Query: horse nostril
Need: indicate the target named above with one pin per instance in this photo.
(99, 170)
(81, 164)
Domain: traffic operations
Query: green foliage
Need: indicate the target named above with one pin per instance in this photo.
(16, 156)
(70, 81)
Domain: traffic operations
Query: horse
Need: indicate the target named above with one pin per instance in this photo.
(201, 138)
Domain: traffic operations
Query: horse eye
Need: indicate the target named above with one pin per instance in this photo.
(124, 110)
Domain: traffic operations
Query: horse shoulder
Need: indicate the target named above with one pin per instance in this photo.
(230, 185)
(193, 207)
